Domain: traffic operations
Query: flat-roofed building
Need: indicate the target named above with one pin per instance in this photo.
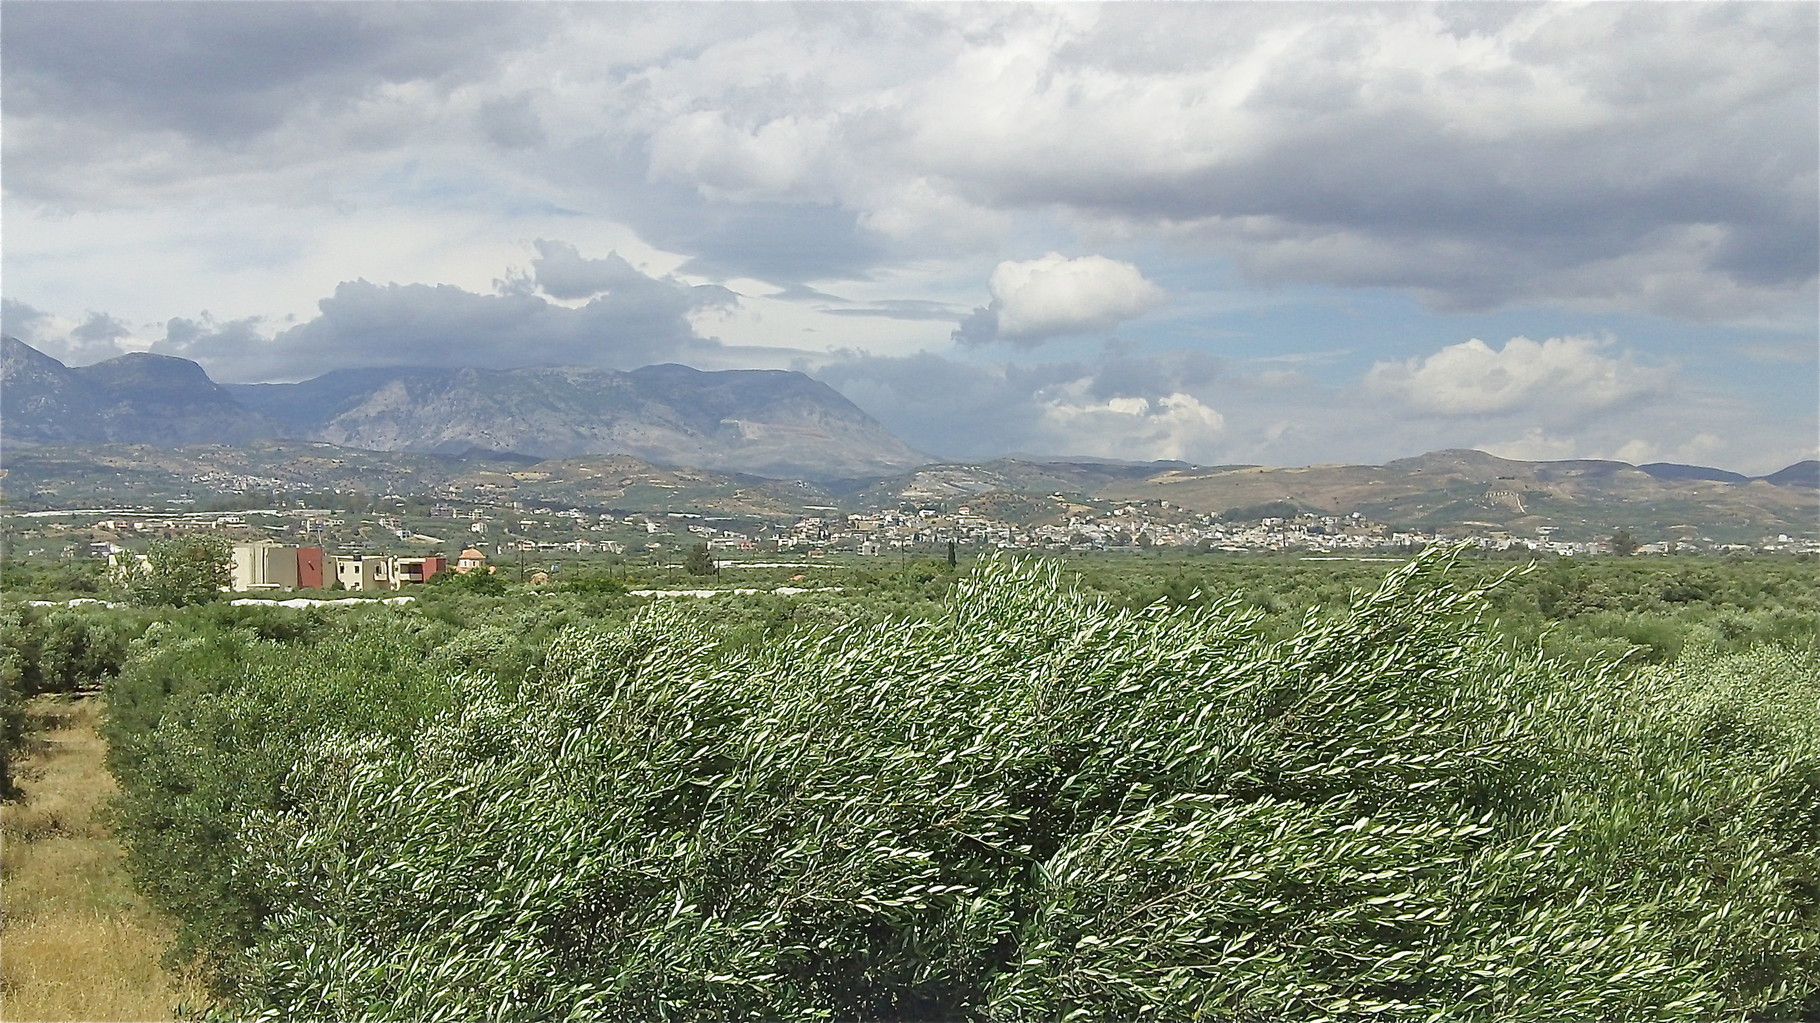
(418, 570)
(365, 572)
(264, 566)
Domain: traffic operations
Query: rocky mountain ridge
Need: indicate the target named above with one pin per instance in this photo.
(543, 433)
(772, 423)
(140, 397)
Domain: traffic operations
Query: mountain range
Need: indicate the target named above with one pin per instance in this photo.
(144, 425)
(772, 423)
(142, 398)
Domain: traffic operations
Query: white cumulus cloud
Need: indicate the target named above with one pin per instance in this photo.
(1562, 374)
(1176, 425)
(1037, 299)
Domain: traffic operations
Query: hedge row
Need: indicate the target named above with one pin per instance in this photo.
(1034, 805)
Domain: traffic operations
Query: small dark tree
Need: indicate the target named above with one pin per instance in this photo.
(13, 685)
(186, 570)
(700, 561)
(1623, 544)
(952, 560)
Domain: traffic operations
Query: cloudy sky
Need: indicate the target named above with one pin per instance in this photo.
(1249, 232)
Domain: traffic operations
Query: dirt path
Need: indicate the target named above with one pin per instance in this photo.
(76, 942)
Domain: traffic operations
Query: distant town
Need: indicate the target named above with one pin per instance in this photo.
(307, 548)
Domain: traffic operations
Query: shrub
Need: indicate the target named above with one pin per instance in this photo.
(207, 720)
(12, 708)
(183, 571)
(1033, 806)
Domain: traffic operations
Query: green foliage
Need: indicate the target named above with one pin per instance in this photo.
(47, 578)
(182, 571)
(65, 649)
(209, 717)
(13, 664)
(1033, 804)
(21, 646)
(1572, 607)
(595, 584)
(700, 561)
(477, 581)
(54, 650)
(79, 649)
(1267, 510)
(215, 704)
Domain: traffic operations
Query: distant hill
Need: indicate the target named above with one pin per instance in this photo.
(1474, 491)
(601, 438)
(125, 475)
(306, 407)
(769, 422)
(1801, 474)
(1672, 471)
(143, 398)
(1452, 490)
(1446, 491)
(765, 422)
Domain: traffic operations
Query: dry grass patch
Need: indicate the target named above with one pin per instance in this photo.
(76, 942)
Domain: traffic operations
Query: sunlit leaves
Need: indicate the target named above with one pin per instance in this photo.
(1040, 806)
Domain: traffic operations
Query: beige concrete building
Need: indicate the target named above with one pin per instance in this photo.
(264, 566)
(366, 572)
(385, 572)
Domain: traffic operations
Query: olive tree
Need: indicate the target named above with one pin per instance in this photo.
(183, 571)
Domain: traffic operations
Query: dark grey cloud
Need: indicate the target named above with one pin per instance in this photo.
(20, 320)
(93, 339)
(96, 338)
(896, 309)
(799, 292)
(630, 320)
(770, 241)
(559, 270)
(225, 71)
(1392, 200)
(1123, 369)
(977, 328)
(512, 123)
(1779, 252)
(1644, 157)
(100, 328)
(1626, 155)
(779, 242)
(235, 351)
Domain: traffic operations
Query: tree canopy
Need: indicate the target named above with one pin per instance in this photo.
(183, 571)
